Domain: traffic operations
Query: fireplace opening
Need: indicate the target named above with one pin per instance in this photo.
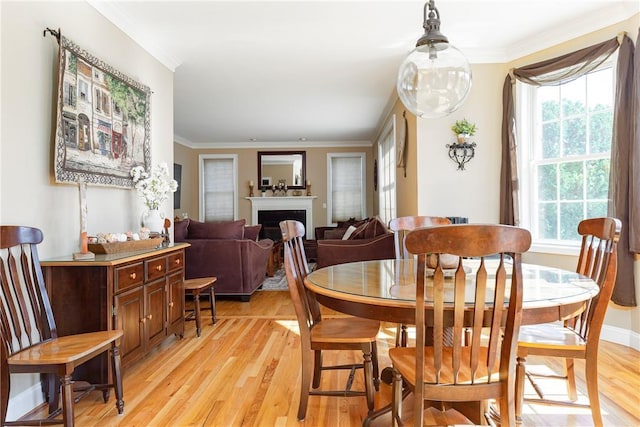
(270, 220)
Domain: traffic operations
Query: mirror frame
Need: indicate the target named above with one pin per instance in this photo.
(281, 153)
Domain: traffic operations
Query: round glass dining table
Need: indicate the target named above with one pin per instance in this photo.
(385, 290)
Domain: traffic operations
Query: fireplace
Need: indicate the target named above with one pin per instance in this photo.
(302, 205)
(270, 220)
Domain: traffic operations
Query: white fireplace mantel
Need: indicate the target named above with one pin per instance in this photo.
(272, 203)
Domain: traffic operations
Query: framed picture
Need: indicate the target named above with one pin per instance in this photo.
(103, 121)
(265, 181)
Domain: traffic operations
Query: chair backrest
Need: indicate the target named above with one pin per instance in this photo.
(490, 309)
(401, 226)
(26, 317)
(599, 260)
(296, 269)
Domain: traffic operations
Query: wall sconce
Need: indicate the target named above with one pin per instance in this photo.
(461, 153)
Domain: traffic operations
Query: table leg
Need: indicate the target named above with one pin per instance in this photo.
(212, 299)
(196, 301)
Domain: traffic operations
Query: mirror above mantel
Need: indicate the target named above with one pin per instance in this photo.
(282, 166)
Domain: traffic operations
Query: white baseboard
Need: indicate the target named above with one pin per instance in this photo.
(25, 401)
(621, 336)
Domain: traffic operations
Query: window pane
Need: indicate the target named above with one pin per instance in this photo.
(218, 190)
(346, 188)
(600, 132)
(549, 100)
(547, 182)
(600, 90)
(550, 140)
(548, 221)
(598, 179)
(570, 215)
(571, 181)
(574, 136)
(574, 97)
(596, 209)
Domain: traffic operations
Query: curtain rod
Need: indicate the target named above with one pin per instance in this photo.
(54, 33)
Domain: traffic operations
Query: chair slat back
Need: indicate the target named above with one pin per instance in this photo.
(296, 269)
(493, 314)
(401, 226)
(26, 317)
(598, 260)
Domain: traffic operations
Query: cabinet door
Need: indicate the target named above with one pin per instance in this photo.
(155, 311)
(176, 305)
(129, 317)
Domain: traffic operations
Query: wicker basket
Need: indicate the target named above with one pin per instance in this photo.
(128, 246)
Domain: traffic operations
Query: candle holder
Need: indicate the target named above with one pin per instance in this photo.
(308, 188)
(251, 190)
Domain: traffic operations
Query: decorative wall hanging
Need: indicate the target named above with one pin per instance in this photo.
(103, 120)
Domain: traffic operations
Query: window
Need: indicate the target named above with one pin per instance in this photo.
(218, 187)
(566, 144)
(345, 186)
(387, 173)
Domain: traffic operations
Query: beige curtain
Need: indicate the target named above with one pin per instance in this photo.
(564, 69)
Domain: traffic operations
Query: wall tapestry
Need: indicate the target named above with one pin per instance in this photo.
(103, 120)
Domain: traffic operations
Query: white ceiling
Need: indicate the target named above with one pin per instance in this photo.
(254, 73)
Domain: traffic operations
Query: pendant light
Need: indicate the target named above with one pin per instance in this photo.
(435, 79)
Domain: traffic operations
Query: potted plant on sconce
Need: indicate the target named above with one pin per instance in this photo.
(463, 129)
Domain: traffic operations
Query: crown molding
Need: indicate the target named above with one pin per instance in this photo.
(268, 144)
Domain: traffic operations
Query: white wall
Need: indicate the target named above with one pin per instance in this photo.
(474, 192)
(28, 195)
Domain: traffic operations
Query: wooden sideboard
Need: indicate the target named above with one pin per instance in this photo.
(140, 292)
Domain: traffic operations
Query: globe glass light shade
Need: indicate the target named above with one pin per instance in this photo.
(434, 80)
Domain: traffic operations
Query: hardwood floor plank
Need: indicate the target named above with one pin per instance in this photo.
(245, 371)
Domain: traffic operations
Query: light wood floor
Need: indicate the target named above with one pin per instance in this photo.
(244, 371)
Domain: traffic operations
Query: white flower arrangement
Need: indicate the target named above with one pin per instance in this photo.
(154, 187)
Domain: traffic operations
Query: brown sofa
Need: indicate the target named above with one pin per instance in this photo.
(228, 250)
(371, 240)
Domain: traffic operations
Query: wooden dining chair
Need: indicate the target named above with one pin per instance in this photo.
(318, 334)
(579, 336)
(401, 226)
(30, 342)
(488, 302)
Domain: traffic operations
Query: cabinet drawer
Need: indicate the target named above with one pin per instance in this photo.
(176, 261)
(129, 276)
(155, 268)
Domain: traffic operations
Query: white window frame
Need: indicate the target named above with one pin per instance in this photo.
(363, 192)
(386, 171)
(525, 96)
(201, 190)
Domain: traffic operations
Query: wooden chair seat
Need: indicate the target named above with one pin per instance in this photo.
(404, 360)
(539, 339)
(349, 330)
(51, 354)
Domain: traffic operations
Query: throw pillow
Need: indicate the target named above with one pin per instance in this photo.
(375, 227)
(251, 232)
(349, 232)
(180, 229)
(217, 230)
(358, 233)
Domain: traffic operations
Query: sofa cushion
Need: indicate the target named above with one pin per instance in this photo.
(252, 232)
(358, 233)
(217, 230)
(180, 230)
(335, 233)
(375, 227)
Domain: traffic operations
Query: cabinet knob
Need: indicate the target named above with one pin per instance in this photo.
(178, 261)
(144, 319)
(171, 304)
(158, 268)
(132, 276)
(150, 316)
